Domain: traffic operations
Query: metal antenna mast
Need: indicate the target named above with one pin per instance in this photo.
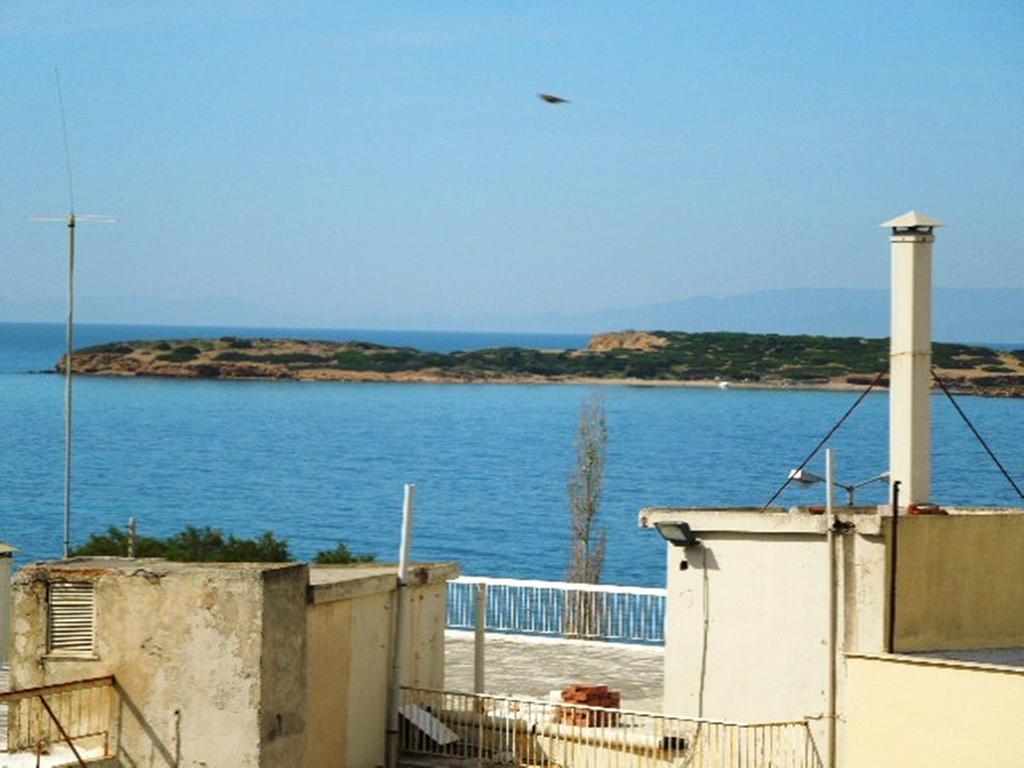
(71, 219)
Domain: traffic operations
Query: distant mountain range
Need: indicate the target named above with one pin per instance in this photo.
(993, 315)
(959, 314)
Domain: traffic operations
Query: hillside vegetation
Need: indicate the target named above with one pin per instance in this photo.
(638, 356)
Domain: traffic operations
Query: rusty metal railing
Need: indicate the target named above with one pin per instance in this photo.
(483, 730)
(73, 717)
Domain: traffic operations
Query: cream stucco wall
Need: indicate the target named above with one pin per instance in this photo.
(188, 644)
(350, 622)
(912, 713)
(328, 668)
(747, 631)
(748, 620)
(746, 636)
(960, 581)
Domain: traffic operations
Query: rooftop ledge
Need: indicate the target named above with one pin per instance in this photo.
(811, 520)
(328, 583)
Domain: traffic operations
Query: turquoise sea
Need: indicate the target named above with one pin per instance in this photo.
(319, 462)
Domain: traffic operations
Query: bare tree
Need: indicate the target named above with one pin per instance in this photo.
(585, 485)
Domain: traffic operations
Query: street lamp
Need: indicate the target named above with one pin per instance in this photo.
(808, 478)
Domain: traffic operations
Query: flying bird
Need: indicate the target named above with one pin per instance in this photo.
(552, 99)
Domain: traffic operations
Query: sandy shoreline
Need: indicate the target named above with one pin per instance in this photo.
(368, 377)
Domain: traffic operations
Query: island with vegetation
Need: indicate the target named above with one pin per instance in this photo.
(637, 357)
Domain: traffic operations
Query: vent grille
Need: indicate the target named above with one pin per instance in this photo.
(72, 625)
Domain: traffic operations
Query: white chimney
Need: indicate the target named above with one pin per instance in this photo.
(910, 356)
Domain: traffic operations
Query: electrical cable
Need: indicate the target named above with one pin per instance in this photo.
(67, 146)
(977, 434)
(824, 440)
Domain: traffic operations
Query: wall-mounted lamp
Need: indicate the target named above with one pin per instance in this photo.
(678, 534)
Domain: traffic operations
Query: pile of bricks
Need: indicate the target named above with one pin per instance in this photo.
(591, 696)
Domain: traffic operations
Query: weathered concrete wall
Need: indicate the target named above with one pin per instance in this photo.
(913, 713)
(255, 666)
(283, 682)
(863, 588)
(960, 581)
(428, 614)
(186, 644)
(349, 660)
(5, 606)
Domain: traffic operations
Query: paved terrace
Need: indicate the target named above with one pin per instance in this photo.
(531, 667)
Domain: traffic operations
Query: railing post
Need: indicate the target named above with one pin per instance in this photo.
(63, 733)
(479, 637)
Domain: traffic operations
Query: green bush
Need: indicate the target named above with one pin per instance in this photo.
(236, 343)
(204, 545)
(341, 555)
(353, 360)
(235, 357)
(284, 358)
(181, 354)
(115, 543)
(178, 357)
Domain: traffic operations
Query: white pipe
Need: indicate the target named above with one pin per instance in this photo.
(398, 640)
(406, 543)
(830, 539)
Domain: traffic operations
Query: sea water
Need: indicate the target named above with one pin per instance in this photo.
(322, 462)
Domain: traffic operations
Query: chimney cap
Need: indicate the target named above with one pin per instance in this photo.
(910, 220)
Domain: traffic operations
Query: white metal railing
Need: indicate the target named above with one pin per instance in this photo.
(558, 608)
(493, 730)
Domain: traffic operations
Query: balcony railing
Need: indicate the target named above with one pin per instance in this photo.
(498, 730)
(558, 609)
(70, 718)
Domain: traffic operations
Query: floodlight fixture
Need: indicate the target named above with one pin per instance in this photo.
(678, 534)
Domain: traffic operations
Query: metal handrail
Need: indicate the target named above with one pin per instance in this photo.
(490, 697)
(76, 710)
(564, 609)
(466, 727)
(569, 586)
(8, 697)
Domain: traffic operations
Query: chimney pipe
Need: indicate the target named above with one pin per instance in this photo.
(910, 355)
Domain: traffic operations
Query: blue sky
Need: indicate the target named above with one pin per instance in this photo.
(332, 161)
